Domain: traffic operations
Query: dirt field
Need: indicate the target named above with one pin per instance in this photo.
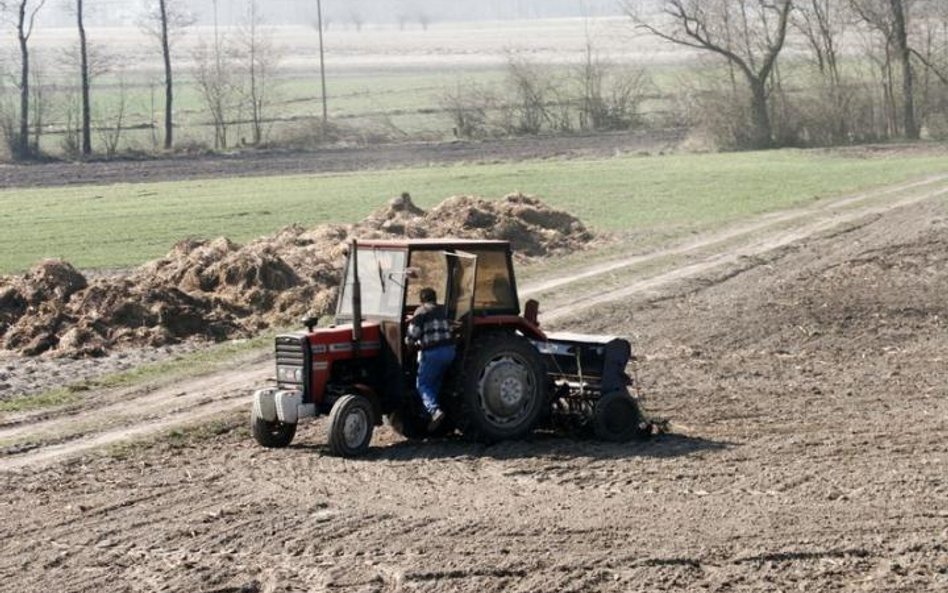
(803, 375)
(331, 160)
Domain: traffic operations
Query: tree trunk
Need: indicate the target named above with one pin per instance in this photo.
(762, 132)
(169, 85)
(905, 58)
(86, 106)
(23, 142)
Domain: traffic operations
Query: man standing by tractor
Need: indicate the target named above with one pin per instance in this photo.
(429, 330)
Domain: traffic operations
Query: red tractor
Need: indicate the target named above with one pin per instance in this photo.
(509, 376)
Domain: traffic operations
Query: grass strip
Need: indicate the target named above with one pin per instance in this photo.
(123, 225)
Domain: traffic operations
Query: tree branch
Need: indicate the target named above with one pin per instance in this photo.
(29, 31)
(927, 63)
(696, 33)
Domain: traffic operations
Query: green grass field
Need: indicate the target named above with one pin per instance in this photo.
(127, 224)
(393, 102)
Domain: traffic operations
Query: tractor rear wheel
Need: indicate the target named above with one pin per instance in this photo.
(617, 418)
(271, 434)
(504, 388)
(351, 422)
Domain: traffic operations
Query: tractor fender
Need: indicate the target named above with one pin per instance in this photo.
(515, 322)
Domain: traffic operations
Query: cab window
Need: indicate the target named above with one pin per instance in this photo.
(493, 289)
(431, 269)
(381, 278)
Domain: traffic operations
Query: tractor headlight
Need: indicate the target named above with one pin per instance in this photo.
(290, 374)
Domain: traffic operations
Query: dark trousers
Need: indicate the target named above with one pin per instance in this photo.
(432, 365)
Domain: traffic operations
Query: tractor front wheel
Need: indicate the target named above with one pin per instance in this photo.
(504, 389)
(351, 422)
(271, 434)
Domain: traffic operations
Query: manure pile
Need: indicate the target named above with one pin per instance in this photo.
(217, 289)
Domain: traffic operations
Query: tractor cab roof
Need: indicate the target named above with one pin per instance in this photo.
(412, 244)
(392, 272)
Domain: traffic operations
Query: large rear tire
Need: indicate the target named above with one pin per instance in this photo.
(503, 391)
(351, 422)
(271, 434)
(617, 418)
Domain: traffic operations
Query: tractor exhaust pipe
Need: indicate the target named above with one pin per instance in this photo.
(356, 296)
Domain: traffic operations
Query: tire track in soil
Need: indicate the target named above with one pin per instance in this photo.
(199, 399)
(761, 223)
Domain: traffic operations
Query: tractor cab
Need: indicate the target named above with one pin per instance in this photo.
(383, 279)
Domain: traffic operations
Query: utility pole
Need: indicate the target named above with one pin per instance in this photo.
(322, 62)
(84, 79)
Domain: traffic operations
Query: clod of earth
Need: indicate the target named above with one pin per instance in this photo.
(217, 289)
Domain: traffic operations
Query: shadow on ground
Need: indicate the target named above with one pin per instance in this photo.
(540, 445)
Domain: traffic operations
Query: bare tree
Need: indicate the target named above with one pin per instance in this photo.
(84, 80)
(40, 101)
(823, 24)
(875, 16)
(91, 62)
(899, 18)
(749, 34)
(356, 18)
(930, 47)
(531, 89)
(424, 19)
(215, 82)
(259, 57)
(890, 19)
(164, 20)
(933, 31)
(217, 89)
(23, 14)
(8, 123)
(110, 123)
(468, 107)
(609, 97)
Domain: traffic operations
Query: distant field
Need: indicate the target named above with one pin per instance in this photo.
(382, 80)
(124, 225)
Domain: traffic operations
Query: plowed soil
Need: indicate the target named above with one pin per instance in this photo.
(334, 159)
(806, 387)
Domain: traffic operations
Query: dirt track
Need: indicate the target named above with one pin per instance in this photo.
(805, 382)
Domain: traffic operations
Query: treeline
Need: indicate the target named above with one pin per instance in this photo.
(594, 95)
(778, 73)
(810, 72)
(775, 73)
(232, 72)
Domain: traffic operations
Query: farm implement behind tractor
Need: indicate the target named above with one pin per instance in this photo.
(509, 376)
